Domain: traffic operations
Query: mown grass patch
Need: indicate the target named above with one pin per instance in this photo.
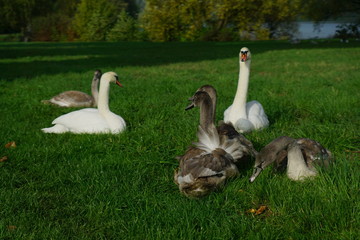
(121, 186)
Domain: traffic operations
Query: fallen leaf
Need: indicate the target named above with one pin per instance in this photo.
(261, 210)
(258, 211)
(11, 144)
(251, 210)
(3, 159)
(11, 227)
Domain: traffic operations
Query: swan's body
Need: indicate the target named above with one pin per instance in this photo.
(77, 98)
(228, 131)
(208, 163)
(250, 116)
(297, 156)
(92, 120)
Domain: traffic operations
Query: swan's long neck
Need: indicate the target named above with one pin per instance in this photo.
(213, 108)
(103, 100)
(95, 90)
(297, 168)
(206, 114)
(238, 108)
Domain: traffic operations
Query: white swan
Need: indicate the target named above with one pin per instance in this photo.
(244, 116)
(77, 98)
(92, 120)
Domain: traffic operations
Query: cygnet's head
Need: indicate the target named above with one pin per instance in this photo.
(313, 151)
(97, 75)
(112, 77)
(198, 98)
(209, 89)
(245, 54)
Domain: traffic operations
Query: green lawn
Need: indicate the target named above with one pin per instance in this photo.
(121, 186)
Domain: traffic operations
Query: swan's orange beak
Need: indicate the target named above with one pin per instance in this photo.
(118, 83)
(243, 56)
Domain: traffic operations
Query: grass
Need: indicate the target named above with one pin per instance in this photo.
(121, 186)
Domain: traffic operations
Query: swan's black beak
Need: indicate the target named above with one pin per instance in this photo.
(256, 173)
(192, 105)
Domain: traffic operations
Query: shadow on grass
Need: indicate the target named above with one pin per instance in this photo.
(33, 59)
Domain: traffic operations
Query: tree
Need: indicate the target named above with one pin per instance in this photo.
(125, 29)
(169, 20)
(160, 20)
(35, 17)
(56, 24)
(94, 18)
(16, 15)
(319, 10)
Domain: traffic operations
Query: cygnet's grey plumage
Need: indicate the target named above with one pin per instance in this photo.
(77, 98)
(228, 132)
(297, 156)
(207, 164)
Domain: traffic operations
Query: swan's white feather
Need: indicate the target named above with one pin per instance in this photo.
(63, 103)
(185, 179)
(210, 141)
(257, 118)
(87, 120)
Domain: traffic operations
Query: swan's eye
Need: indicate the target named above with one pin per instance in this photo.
(244, 52)
(117, 78)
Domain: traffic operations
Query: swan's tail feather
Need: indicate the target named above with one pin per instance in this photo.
(47, 102)
(234, 148)
(55, 129)
(209, 141)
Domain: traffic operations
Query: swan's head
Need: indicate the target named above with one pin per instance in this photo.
(245, 54)
(97, 74)
(198, 98)
(313, 151)
(209, 90)
(111, 77)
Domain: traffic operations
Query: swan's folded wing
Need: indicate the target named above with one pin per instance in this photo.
(73, 96)
(72, 99)
(228, 130)
(256, 114)
(84, 120)
(205, 165)
(227, 113)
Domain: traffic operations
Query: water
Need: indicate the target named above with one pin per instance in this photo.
(324, 30)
